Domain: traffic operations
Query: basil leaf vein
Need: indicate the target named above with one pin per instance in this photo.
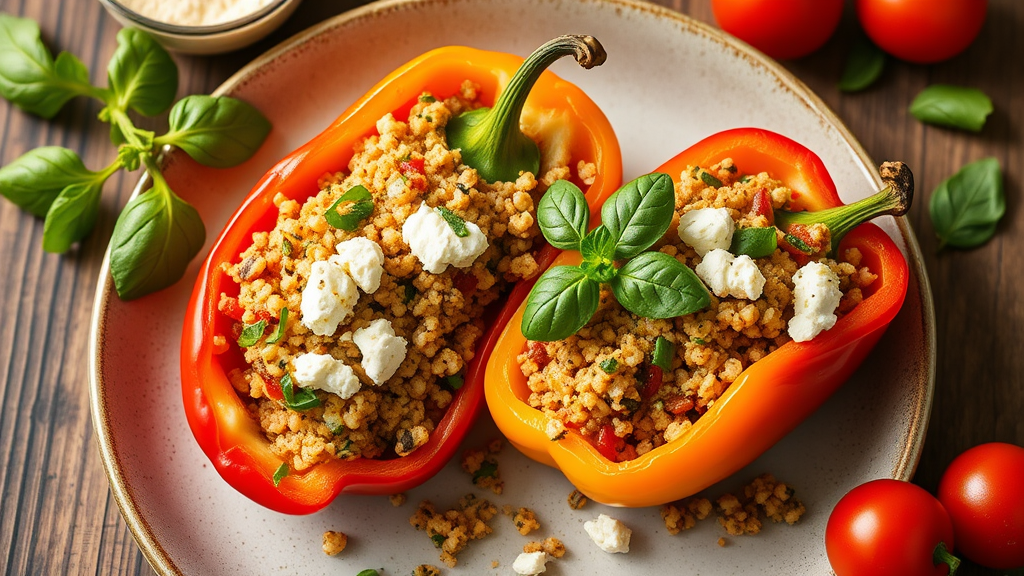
(216, 131)
(141, 74)
(563, 214)
(639, 213)
(966, 207)
(656, 285)
(563, 301)
(952, 106)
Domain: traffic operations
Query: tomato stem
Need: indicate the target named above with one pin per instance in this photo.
(894, 199)
(941, 555)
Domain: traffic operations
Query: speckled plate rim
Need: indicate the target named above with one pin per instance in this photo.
(122, 491)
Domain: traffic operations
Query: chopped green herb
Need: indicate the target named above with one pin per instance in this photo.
(754, 242)
(745, 178)
(359, 205)
(798, 244)
(348, 444)
(462, 187)
(369, 572)
(280, 473)
(428, 99)
(694, 171)
(455, 381)
(410, 292)
(429, 118)
(438, 540)
(710, 180)
(252, 333)
(609, 365)
(731, 169)
(630, 404)
(698, 341)
(286, 247)
(454, 220)
(487, 470)
(663, 353)
(337, 429)
(278, 332)
(301, 399)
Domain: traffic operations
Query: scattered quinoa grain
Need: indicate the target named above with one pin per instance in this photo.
(525, 521)
(334, 542)
(452, 530)
(722, 542)
(482, 465)
(397, 499)
(426, 570)
(577, 500)
(551, 545)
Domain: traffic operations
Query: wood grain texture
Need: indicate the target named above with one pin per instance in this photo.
(56, 512)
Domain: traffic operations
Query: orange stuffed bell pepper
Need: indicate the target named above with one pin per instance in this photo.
(562, 118)
(765, 401)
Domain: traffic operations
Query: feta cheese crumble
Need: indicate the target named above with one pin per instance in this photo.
(363, 260)
(609, 534)
(328, 299)
(707, 229)
(529, 563)
(816, 296)
(383, 351)
(435, 244)
(728, 275)
(327, 373)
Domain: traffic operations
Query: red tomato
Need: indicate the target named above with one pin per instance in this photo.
(922, 31)
(983, 491)
(887, 528)
(781, 29)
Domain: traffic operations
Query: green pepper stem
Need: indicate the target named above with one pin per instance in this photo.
(941, 555)
(894, 199)
(490, 138)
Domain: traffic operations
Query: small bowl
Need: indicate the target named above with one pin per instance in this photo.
(214, 39)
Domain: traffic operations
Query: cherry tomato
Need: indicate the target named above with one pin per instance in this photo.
(983, 491)
(922, 31)
(782, 29)
(888, 528)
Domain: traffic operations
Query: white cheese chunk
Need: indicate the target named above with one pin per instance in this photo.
(363, 260)
(383, 351)
(728, 275)
(328, 298)
(609, 534)
(707, 229)
(529, 563)
(433, 241)
(325, 372)
(816, 296)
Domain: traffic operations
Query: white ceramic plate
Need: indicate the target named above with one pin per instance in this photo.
(668, 82)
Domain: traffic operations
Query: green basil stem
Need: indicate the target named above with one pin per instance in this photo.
(894, 199)
(490, 138)
(941, 555)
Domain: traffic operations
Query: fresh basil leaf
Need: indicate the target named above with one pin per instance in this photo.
(663, 353)
(656, 285)
(639, 213)
(798, 244)
(561, 302)
(154, 239)
(295, 397)
(280, 473)
(30, 78)
(710, 179)
(279, 331)
(141, 74)
(359, 206)
(563, 214)
(609, 365)
(598, 245)
(952, 106)
(457, 224)
(72, 215)
(216, 131)
(36, 179)
(966, 208)
(863, 67)
(252, 333)
(372, 572)
(754, 242)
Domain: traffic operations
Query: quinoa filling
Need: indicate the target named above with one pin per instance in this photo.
(603, 382)
(433, 318)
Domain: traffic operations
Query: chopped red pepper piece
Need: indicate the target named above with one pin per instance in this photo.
(762, 206)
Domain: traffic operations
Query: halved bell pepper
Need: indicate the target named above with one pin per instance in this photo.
(768, 400)
(226, 431)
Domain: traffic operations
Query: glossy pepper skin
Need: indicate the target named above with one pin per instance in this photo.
(225, 430)
(769, 399)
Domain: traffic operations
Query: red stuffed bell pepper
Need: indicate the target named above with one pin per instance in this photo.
(492, 143)
(771, 396)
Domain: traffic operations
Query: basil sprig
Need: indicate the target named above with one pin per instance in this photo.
(966, 208)
(649, 284)
(952, 106)
(863, 67)
(157, 233)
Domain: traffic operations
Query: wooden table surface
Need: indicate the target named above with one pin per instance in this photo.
(57, 515)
